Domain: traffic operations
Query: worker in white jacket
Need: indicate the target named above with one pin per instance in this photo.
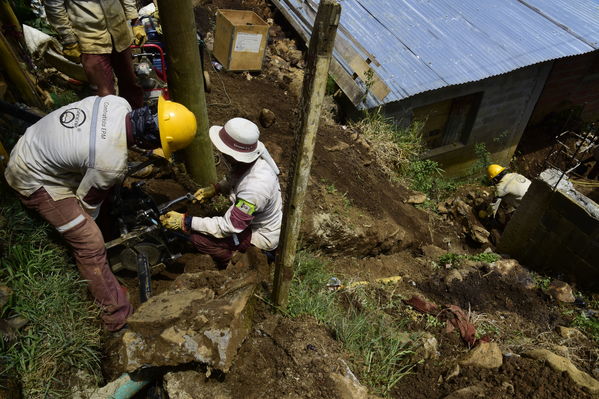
(256, 211)
(65, 165)
(509, 188)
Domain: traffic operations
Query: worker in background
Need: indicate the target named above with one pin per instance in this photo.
(98, 34)
(255, 214)
(64, 166)
(509, 188)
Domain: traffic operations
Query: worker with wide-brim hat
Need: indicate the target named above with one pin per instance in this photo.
(256, 211)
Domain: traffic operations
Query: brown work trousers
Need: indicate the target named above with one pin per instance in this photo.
(221, 249)
(101, 69)
(85, 238)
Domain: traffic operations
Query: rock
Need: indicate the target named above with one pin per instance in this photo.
(561, 364)
(454, 372)
(281, 48)
(340, 146)
(416, 199)
(5, 294)
(453, 275)
(479, 234)
(473, 391)
(191, 385)
(294, 57)
(570, 333)
(561, 291)
(427, 347)
(505, 266)
(485, 355)
(432, 251)
(561, 350)
(180, 326)
(348, 388)
(295, 81)
(267, 118)
(441, 208)
(509, 388)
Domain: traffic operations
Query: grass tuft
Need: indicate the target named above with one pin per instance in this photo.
(381, 355)
(62, 335)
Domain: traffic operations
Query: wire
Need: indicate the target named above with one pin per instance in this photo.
(221, 81)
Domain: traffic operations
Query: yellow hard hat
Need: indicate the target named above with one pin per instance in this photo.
(494, 170)
(177, 126)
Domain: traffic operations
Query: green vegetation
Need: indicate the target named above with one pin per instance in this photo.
(62, 334)
(451, 259)
(398, 151)
(381, 355)
(588, 324)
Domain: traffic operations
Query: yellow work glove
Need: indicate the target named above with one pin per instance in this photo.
(72, 52)
(140, 35)
(173, 220)
(205, 193)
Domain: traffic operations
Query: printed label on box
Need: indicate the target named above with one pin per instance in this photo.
(248, 42)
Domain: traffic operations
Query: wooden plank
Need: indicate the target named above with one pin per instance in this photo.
(346, 83)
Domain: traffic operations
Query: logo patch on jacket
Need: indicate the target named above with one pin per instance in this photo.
(72, 118)
(245, 206)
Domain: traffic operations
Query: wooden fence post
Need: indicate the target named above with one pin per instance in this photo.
(186, 82)
(318, 60)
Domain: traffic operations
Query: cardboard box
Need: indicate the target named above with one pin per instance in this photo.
(240, 40)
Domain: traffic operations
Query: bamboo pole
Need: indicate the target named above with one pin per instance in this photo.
(186, 82)
(318, 61)
(10, 64)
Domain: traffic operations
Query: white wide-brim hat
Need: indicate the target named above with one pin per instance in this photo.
(238, 139)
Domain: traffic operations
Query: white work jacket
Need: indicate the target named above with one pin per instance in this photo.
(510, 189)
(98, 25)
(79, 150)
(258, 188)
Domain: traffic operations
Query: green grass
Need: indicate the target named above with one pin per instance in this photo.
(380, 354)
(588, 325)
(62, 335)
(451, 259)
(399, 150)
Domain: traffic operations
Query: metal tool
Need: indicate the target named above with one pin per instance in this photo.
(164, 207)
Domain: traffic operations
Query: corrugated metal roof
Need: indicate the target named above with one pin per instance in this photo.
(415, 46)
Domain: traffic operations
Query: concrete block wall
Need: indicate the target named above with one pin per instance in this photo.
(552, 233)
(573, 81)
(506, 105)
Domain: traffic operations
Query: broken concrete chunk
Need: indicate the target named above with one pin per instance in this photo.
(186, 325)
(486, 355)
(561, 291)
(340, 146)
(561, 364)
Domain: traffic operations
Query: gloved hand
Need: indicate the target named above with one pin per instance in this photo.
(205, 193)
(173, 220)
(72, 52)
(140, 35)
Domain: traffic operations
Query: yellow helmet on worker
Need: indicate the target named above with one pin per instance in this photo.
(177, 126)
(494, 170)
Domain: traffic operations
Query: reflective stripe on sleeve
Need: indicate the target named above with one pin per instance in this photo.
(71, 224)
(92, 134)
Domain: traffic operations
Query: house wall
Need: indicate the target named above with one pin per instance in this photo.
(573, 81)
(554, 234)
(506, 106)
